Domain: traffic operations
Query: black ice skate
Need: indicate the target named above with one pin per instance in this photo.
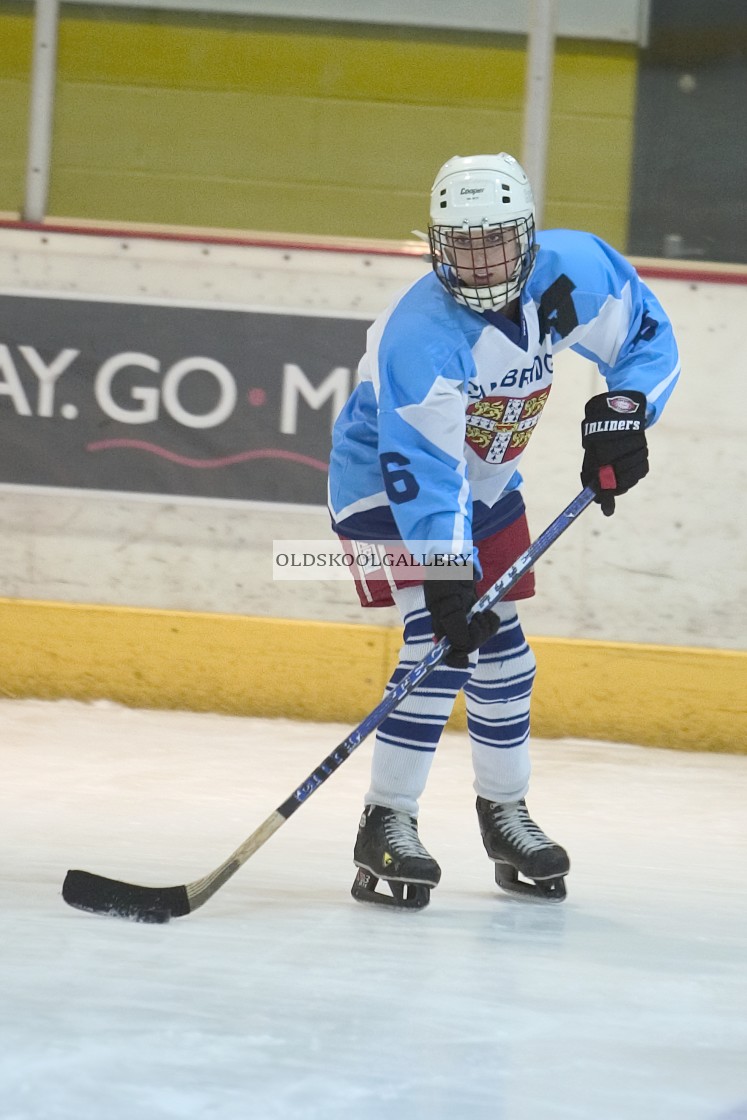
(388, 847)
(518, 846)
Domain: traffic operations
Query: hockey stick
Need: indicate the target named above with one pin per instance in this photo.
(100, 895)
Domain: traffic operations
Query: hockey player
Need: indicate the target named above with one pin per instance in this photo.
(426, 453)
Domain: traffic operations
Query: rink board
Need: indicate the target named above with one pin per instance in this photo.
(678, 697)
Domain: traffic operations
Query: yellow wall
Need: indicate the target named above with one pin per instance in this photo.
(16, 33)
(690, 699)
(297, 127)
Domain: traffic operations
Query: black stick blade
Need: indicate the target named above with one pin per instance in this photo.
(100, 895)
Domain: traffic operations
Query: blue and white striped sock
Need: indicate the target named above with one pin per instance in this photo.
(407, 739)
(498, 697)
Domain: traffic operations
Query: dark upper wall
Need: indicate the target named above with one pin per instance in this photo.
(690, 153)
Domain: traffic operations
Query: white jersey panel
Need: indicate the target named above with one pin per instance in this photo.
(607, 334)
(507, 397)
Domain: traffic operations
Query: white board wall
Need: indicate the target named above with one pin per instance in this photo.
(668, 568)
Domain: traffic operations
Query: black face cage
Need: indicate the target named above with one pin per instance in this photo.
(507, 244)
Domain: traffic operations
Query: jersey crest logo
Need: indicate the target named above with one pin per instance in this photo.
(499, 428)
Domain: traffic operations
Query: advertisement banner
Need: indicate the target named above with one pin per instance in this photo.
(197, 402)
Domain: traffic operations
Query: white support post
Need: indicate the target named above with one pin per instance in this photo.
(43, 75)
(538, 96)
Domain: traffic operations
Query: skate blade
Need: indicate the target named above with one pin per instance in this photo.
(404, 896)
(538, 890)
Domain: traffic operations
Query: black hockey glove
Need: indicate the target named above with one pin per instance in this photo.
(614, 440)
(449, 601)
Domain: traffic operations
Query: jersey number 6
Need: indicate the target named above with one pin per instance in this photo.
(400, 484)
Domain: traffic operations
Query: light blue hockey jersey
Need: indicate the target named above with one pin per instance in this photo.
(428, 446)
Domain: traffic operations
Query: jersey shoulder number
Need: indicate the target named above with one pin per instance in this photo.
(556, 309)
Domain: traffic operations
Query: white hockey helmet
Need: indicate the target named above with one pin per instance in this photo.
(473, 195)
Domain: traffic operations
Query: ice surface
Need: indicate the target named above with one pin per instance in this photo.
(283, 998)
